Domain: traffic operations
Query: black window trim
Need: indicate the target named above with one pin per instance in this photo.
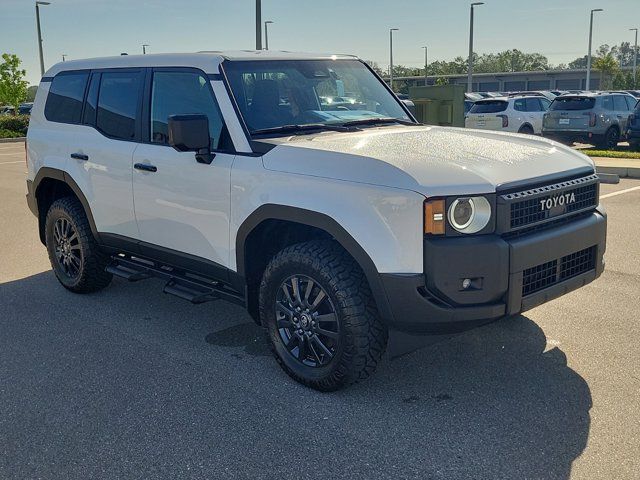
(84, 94)
(146, 111)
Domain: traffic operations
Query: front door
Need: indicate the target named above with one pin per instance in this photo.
(180, 204)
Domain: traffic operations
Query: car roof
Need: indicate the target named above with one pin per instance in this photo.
(209, 62)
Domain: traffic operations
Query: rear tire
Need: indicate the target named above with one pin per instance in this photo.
(526, 130)
(338, 341)
(610, 140)
(76, 258)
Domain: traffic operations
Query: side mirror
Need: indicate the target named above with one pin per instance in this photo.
(190, 133)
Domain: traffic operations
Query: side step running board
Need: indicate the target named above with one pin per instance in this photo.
(183, 284)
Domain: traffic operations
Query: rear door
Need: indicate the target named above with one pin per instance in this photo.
(101, 149)
(570, 112)
(622, 111)
(535, 112)
(183, 205)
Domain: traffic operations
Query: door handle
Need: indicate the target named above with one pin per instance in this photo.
(145, 167)
(80, 156)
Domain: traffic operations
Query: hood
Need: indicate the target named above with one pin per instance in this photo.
(426, 159)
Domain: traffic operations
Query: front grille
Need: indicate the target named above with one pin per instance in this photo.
(577, 263)
(549, 273)
(539, 277)
(542, 204)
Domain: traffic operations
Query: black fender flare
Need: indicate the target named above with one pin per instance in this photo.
(53, 173)
(322, 222)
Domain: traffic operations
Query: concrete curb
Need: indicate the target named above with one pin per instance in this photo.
(622, 172)
(13, 140)
(610, 178)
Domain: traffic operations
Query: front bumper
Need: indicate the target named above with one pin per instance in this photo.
(508, 275)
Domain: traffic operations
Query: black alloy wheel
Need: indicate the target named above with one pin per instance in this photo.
(307, 321)
(68, 253)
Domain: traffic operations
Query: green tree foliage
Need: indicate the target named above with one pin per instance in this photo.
(31, 93)
(607, 65)
(13, 86)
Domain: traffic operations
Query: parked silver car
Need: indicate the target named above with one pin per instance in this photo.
(598, 118)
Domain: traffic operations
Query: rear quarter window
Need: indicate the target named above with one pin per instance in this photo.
(64, 102)
(492, 106)
(573, 103)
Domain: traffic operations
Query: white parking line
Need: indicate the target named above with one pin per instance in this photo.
(8, 163)
(619, 192)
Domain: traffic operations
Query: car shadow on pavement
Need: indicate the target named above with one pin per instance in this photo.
(495, 402)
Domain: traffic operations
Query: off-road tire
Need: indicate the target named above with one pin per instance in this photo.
(362, 335)
(91, 275)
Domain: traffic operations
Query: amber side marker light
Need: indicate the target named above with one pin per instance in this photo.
(434, 217)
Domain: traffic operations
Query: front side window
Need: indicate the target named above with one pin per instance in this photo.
(118, 100)
(179, 93)
(64, 102)
(279, 93)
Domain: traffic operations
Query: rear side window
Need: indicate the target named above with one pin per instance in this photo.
(631, 101)
(118, 101)
(519, 105)
(492, 106)
(619, 103)
(64, 102)
(533, 104)
(573, 103)
(607, 103)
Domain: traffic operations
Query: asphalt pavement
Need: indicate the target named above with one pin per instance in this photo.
(131, 383)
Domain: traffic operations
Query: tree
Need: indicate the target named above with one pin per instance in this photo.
(607, 65)
(13, 86)
(31, 93)
(375, 67)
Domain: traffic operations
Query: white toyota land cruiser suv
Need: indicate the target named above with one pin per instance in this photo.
(300, 187)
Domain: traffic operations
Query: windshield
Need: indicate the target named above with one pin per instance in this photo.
(489, 106)
(573, 103)
(291, 93)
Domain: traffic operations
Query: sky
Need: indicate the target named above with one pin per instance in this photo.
(94, 28)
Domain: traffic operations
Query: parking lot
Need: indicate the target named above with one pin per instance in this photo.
(131, 383)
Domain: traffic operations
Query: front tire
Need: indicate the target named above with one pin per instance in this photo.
(320, 317)
(76, 258)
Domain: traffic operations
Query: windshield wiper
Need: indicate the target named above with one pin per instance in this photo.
(377, 121)
(302, 128)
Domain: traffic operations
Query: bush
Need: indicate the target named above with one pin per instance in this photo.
(15, 123)
(10, 134)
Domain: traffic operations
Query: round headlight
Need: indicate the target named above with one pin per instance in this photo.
(469, 215)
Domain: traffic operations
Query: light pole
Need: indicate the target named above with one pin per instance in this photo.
(470, 72)
(40, 34)
(144, 48)
(266, 34)
(588, 85)
(425, 65)
(64, 57)
(391, 30)
(258, 25)
(635, 57)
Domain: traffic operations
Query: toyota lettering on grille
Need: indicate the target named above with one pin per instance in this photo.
(557, 201)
